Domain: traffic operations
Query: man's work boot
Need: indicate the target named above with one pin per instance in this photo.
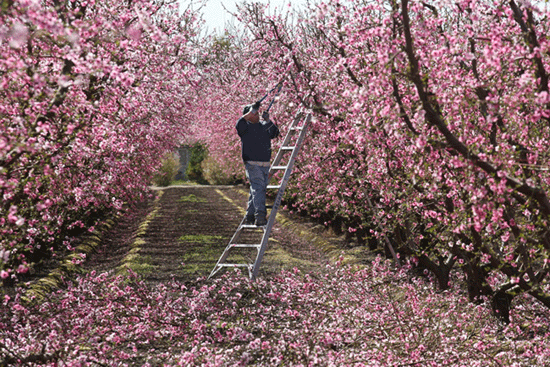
(261, 221)
(249, 220)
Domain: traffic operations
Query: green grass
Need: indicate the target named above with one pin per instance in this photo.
(139, 264)
(183, 183)
(200, 259)
(201, 262)
(142, 268)
(192, 199)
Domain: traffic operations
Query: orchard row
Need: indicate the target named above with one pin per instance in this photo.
(431, 134)
(92, 93)
(431, 131)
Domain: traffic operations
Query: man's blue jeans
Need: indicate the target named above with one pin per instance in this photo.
(258, 178)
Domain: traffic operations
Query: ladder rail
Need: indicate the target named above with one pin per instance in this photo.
(287, 139)
(253, 269)
(292, 128)
(278, 200)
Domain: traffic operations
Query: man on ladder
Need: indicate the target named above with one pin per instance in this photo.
(256, 136)
(256, 139)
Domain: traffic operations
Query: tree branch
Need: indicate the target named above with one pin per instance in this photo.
(530, 36)
(434, 117)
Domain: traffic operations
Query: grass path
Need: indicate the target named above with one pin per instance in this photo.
(186, 229)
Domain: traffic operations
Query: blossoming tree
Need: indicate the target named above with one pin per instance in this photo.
(91, 94)
(431, 131)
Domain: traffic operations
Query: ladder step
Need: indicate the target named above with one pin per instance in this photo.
(279, 167)
(297, 128)
(288, 148)
(234, 265)
(273, 186)
(246, 245)
(251, 226)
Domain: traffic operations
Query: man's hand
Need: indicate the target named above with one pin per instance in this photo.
(265, 116)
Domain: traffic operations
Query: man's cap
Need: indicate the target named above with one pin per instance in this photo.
(247, 109)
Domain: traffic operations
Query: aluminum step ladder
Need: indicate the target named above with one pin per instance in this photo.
(246, 233)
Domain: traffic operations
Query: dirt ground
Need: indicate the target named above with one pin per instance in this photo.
(181, 234)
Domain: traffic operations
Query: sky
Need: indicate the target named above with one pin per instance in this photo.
(216, 16)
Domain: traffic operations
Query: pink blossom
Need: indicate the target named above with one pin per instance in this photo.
(18, 35)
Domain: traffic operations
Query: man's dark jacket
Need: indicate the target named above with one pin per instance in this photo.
(256, 139)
